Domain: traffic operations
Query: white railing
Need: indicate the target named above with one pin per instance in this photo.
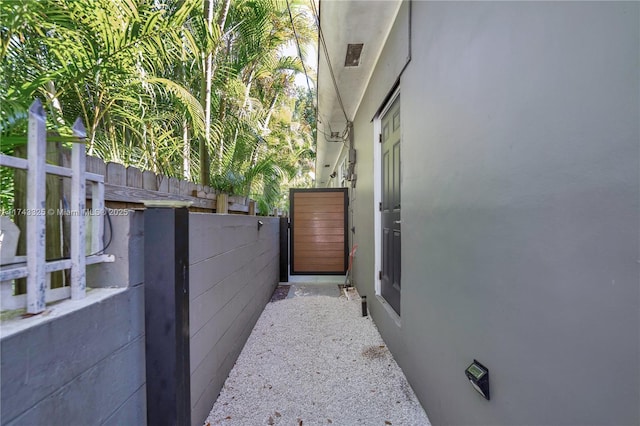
(34, 265)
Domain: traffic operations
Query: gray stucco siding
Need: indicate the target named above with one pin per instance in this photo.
(234, 269)
(92, 357)
(520, 210)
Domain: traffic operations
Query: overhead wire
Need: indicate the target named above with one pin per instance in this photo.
(345, 134)
(295, 33)
(320, 118)
(326, 55)
(328, 137)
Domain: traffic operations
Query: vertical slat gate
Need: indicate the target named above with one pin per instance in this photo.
(319, 243)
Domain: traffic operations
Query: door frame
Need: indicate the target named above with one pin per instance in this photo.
(377, 195)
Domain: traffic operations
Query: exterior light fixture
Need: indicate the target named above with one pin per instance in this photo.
(478, 375)
(260, 223)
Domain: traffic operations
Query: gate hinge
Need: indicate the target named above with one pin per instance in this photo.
(380, 275)
(380, 206)
(380, 138)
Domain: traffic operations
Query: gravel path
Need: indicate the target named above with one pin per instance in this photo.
(315, 361)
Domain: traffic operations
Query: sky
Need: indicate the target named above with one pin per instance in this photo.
(310, 61)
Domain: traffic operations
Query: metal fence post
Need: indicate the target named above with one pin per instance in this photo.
(284, 249)
(166, 284)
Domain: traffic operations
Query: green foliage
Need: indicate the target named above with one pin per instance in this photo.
(133, 70)
(6, 189)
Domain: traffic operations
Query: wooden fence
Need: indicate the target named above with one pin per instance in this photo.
(127, 187)
(123, 188)
(31, 281)
(35, 266)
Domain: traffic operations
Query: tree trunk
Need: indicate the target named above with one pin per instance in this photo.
(50, 89)
(221, 113)
(265, 126)
(186, 151)
(186, 143)
(206, 102)
(208, 79)
(247, 90)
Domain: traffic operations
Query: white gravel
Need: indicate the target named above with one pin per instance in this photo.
(316, 361)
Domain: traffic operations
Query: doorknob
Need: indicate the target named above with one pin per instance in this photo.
(397, 221)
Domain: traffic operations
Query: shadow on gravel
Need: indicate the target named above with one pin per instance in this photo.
(280, 293)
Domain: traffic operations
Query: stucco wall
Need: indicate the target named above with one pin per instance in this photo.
(233, 271)
(81, 362)
(395, 56)
(520, 210)
(84, 362)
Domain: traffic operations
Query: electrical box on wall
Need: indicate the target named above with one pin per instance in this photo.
(478, 375)
(352, 156)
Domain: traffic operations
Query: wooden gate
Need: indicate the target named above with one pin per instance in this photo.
(319, 231)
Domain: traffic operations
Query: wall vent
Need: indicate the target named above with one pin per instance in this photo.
(353, 55)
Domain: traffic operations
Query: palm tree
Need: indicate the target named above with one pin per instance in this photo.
(98, 59)
(162, 85)
(256, 81)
